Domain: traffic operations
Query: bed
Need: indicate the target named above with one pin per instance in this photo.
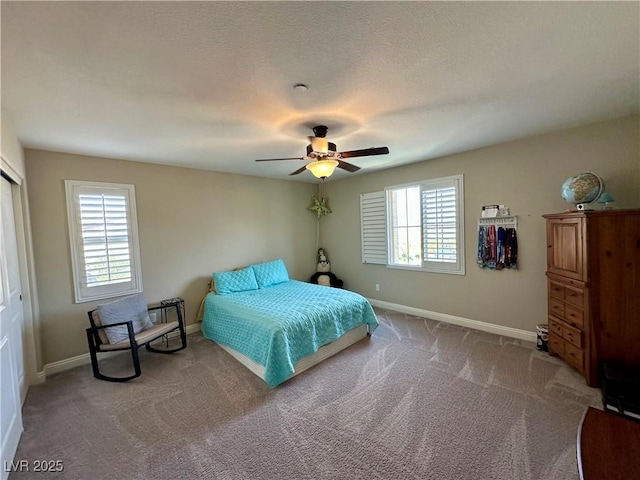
(278, 327)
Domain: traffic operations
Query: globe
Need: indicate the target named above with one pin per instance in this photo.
(582, 188)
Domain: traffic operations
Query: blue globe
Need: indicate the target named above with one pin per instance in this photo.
(582, 188)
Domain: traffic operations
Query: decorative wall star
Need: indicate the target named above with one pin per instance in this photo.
(319, 205)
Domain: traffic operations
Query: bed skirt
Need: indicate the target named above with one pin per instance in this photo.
(346, 340)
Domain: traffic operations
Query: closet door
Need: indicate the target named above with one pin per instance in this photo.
(12, 376)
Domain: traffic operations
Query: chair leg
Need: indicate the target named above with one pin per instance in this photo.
(183, 330)
(96, 369)
(93, 355)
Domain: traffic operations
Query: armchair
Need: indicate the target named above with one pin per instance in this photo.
(135, 336)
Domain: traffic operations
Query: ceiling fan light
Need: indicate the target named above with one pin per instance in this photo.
(322, 168)
(320, 145)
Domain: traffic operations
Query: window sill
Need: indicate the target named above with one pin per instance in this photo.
(427, 270)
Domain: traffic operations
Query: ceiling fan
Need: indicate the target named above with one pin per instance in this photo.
(323, 156)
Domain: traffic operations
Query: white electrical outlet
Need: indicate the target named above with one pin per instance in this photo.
(377, 287)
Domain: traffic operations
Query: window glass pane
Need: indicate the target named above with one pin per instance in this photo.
(414, 239)
(414, 212)
(400, 208)
(406, 243)
(399, 248)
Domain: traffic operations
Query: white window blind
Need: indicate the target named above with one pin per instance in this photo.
(442, 206)
(439, 223)
(373, 224)
(104, 239)
(423, 228)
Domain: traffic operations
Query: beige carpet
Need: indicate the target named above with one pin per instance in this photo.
(418, 400)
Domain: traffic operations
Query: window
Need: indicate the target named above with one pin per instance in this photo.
(405, 226)
(103, 231)
(423, 229)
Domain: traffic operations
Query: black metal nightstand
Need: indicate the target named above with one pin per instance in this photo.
(165, 312)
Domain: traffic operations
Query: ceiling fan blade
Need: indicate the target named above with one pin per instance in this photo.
(347, 166)
(300, 170)
(365, 152)
(276, 159)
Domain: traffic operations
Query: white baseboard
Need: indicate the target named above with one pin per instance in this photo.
(40, 378)
(460, 321)
(85, 358)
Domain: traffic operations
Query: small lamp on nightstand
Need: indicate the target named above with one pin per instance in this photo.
(605, 201)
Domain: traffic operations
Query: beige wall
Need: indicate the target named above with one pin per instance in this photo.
(525, 175)
(191, 223)
(10, 146)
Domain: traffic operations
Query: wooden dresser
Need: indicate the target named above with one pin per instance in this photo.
(593, 284)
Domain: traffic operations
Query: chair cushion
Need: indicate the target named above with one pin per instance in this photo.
(132, 308)
(143, 337)
(271, 273)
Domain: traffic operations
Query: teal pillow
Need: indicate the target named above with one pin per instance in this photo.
(235, 281)
(271, 273)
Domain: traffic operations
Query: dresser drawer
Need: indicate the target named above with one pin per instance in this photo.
(574, 316)
(556, 290)
(572, 335)
(556, 345)
(573, 356)
(556, 307)
(574, 296)
(556, 327)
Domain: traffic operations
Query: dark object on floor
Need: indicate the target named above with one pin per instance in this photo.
(621, 389)
(542, 342)
(99, 341)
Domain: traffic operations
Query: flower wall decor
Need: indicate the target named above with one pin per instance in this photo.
(319, 202)
(319, 205)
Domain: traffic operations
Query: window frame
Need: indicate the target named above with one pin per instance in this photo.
(82, 292)
(454, 268)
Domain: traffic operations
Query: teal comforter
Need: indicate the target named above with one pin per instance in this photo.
(278, 325)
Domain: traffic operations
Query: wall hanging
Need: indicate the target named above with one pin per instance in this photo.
(498, 242)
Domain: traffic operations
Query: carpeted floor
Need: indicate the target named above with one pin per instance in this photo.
(418, 400)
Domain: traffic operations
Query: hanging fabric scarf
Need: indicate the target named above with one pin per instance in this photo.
(490, 262)
(497, 248)
(511, 260)
(501, 249)
(482, 236)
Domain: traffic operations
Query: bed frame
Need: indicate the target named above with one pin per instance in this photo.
(346, 340)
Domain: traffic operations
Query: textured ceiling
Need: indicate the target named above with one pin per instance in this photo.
(210, 84)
